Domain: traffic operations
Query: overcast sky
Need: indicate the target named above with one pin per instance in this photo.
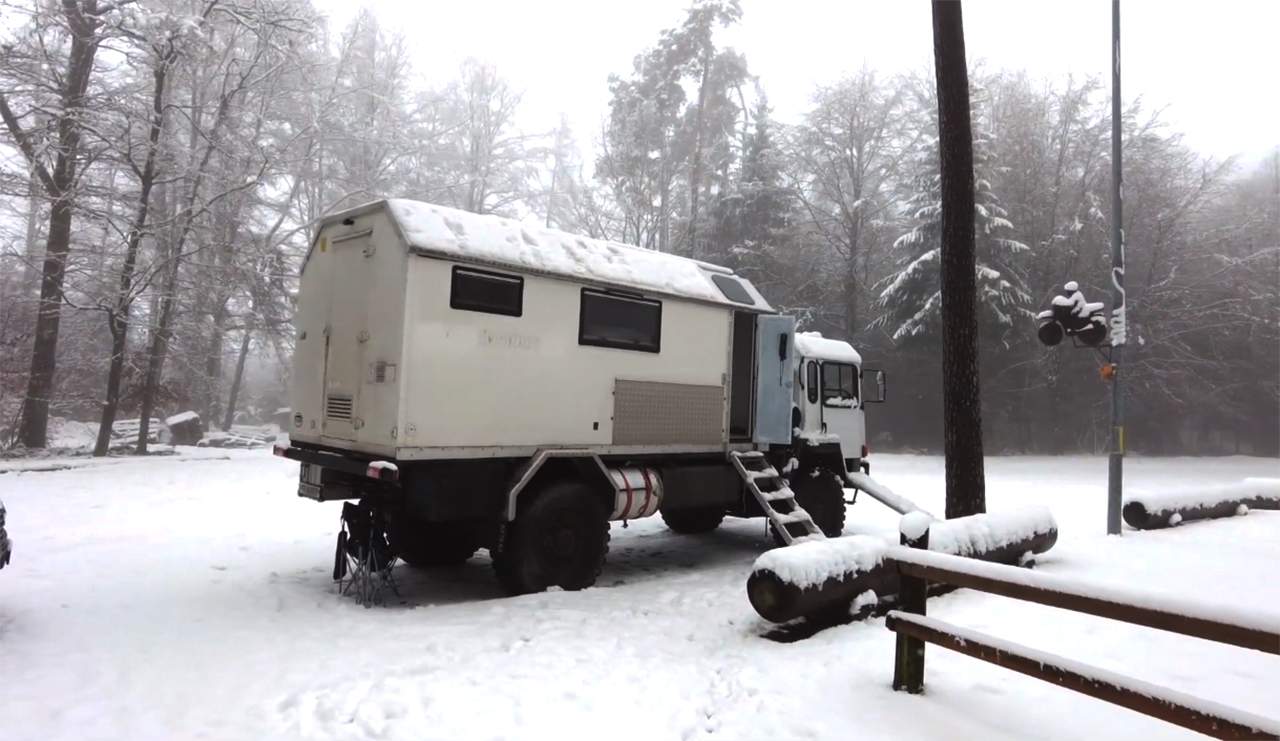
(1213, 64)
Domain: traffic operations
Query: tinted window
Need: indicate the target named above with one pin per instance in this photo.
(732, 289)
(611, 320)
(811, 382)
(492, 293)
(839, 385)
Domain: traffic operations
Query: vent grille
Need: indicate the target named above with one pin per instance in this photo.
(338, 406)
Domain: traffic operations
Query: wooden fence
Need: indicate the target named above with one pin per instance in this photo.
(918, 567)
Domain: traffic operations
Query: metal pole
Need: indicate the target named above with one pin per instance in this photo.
(1115, 472)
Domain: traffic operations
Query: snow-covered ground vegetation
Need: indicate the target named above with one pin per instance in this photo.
(189, 596)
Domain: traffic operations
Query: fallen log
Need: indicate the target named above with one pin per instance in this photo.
(824, 579)
(1152, 511)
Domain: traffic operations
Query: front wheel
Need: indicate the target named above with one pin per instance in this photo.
(821, 494)
(559, 539)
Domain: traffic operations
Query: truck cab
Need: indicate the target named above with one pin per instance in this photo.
(829, 397)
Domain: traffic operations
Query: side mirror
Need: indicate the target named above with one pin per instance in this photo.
(782, 346)
(881, 387)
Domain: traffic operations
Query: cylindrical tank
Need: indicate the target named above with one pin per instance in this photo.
(639, 492)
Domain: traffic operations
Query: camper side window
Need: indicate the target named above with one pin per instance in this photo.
(624, 322)
(492, 293)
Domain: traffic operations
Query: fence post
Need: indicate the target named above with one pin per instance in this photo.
(908, 668)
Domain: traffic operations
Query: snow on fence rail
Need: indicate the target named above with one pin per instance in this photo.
(1154, 510)
(1206, 716)
(917, 567)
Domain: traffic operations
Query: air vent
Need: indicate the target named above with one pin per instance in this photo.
(338, 406)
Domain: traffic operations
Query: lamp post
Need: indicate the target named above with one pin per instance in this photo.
(1115, 469)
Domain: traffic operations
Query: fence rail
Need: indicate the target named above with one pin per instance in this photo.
(917, 567)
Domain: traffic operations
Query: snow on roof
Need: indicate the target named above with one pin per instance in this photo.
(814, 345)
(180, 418)
(452, 233)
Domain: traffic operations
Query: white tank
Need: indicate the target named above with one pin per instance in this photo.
(639, 492)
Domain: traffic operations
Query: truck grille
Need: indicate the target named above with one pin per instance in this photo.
(338, 406)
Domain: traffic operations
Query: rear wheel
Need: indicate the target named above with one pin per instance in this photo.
(425, 544)
(559, 539)
(693, 521)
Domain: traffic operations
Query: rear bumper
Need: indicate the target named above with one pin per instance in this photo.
(378, 470)
(331, 476)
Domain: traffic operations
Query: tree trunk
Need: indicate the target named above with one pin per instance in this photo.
(163, 328)
(235, 381)
(34, 254)
(111, 404)
(962, 413)
(156, 355)
(695, 169)
(60, 185)
(213, 360)
(851, 286)
(33, 432)
(118, 319)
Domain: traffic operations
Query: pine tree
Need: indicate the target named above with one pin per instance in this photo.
(751, 217)
(910, 300)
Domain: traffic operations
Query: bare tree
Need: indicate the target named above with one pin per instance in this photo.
(847, 156)
(57, 164)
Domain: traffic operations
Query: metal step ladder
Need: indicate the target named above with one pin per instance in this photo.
(777, 500)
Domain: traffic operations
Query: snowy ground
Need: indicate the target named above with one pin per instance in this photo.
(189, 597)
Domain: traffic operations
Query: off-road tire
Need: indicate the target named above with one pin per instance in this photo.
(428, 544)
(560, 537)
(693, 521)
(822, 496)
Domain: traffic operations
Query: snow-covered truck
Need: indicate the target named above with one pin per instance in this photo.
(479, 382)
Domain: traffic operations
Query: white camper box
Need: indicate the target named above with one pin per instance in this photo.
(460, 373)
(390, 362)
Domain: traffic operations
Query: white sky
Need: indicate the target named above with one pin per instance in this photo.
(1213, 64)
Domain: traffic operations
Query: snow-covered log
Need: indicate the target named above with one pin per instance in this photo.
(1150, 511)
(818, 576)
(1000, 537)
(825, 577)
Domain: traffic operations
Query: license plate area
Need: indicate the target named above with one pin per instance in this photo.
(310, 480)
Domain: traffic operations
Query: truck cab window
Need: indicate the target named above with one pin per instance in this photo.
(839, 385)
(491, 293)
(617, 321)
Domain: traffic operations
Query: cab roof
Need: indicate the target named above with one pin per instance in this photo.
(814, 345)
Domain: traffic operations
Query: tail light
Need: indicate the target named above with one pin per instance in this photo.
(865, 451)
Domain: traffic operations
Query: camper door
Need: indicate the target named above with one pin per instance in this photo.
(775, 363)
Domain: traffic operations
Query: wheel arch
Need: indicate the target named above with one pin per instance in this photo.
(552, 465)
